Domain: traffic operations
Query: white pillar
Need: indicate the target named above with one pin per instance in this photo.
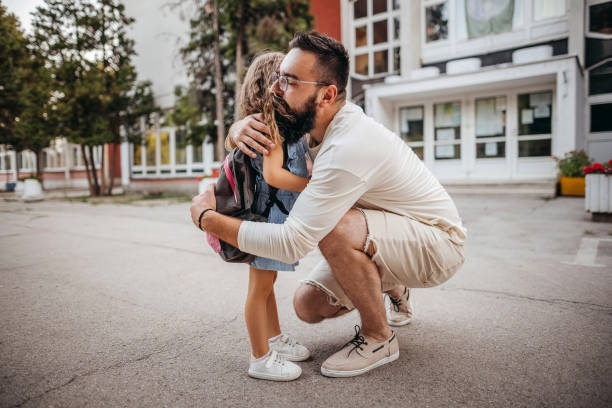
(209, 157)
(15, 164)
(125, 158)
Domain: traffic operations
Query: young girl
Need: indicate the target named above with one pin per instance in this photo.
(270, 348)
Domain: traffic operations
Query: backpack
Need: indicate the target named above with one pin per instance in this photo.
(235, 193)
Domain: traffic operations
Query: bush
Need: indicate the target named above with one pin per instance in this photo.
(572, 164)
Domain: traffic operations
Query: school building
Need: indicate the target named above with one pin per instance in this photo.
(483, 91)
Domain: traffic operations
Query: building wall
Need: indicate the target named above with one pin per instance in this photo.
(327, 17)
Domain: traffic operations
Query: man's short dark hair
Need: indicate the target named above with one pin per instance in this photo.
(331, 54)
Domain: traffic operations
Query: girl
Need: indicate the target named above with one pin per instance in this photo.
(271, 348)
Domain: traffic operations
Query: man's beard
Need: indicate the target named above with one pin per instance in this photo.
(292, 124)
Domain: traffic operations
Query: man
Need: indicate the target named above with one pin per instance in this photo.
(379, 217)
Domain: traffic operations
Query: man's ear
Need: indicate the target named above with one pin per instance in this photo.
(329, 95)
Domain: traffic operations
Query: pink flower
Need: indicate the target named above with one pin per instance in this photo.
(587, 170)
(598, 167)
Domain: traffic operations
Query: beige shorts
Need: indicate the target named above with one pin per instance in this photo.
(406, 252)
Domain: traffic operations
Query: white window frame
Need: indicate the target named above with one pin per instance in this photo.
(370, 48)
(495, 139)
(460, 141)
(543, 136)
(412, 144)
(587, 19)
(531, 31)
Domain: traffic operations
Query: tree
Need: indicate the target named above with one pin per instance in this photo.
(245, 28)
(13, 64)
(87, 45)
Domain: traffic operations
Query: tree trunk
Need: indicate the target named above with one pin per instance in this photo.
(94, 175)
(103, 165)
(218, 86)
(39, 165)
(239, 59)
(111, 170)
(89, 182)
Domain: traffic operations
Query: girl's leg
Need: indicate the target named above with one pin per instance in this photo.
(261, 285)
(273, 325)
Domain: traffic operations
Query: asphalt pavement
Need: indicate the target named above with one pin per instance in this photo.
(126, 305)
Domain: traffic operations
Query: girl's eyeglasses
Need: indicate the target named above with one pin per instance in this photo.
(283, 81)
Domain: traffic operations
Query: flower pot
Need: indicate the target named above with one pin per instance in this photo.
(572, 186)
(598, 198)
(32, 190)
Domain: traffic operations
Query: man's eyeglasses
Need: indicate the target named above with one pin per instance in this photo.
(283, 81)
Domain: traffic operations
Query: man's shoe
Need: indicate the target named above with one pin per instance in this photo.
(400, 310)
(360, 355)
(274, 367)
(288, 348)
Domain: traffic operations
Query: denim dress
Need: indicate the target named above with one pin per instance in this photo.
(296, 163)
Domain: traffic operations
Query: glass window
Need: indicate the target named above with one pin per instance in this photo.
(381, 61)
(180, 147)
(137, 155)
(361, 64)
(491, 117)
(447, 130)
(535, 113)
(397, 62)
(360, 8)
(150, 149)
(543, 9)
(601, 115)
(379, 6)
(532, 148)
(165, 147)
(361, 36)
(380, 31)
(396, 28)
(491, 123)
(600, 18)
(411, 128)
(396, 4)
(600, 79)
(436, 22)
(411, 124)
(490, 149)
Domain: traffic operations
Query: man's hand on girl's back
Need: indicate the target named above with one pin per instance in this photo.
(251, 131)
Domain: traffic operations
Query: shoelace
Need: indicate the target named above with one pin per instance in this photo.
(288, 340)
(357, 341)
(395, 303)
(275, 358)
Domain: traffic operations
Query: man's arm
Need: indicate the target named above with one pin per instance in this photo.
(222, 226)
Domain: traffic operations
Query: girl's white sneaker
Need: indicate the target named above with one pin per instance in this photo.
(289, 348)
(274, 367)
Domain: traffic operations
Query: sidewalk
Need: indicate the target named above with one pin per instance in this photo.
(125, 305)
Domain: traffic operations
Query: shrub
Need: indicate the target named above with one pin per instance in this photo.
(573, 163)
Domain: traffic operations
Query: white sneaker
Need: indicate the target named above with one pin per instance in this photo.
(289, 348)
(274, 367)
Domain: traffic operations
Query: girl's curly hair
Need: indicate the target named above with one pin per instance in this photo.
(255, 94)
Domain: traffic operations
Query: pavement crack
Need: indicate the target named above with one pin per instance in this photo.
(549, 301)
(93, 372)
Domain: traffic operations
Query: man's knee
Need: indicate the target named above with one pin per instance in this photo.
(350, 231)
(307, 302)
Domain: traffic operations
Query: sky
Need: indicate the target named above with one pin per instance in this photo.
(158, 32)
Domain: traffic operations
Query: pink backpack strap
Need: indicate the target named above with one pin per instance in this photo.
(230, 176)
(214, 242)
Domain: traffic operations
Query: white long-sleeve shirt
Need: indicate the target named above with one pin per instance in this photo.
(360, 162)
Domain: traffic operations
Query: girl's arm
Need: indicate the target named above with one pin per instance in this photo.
(276, 176)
